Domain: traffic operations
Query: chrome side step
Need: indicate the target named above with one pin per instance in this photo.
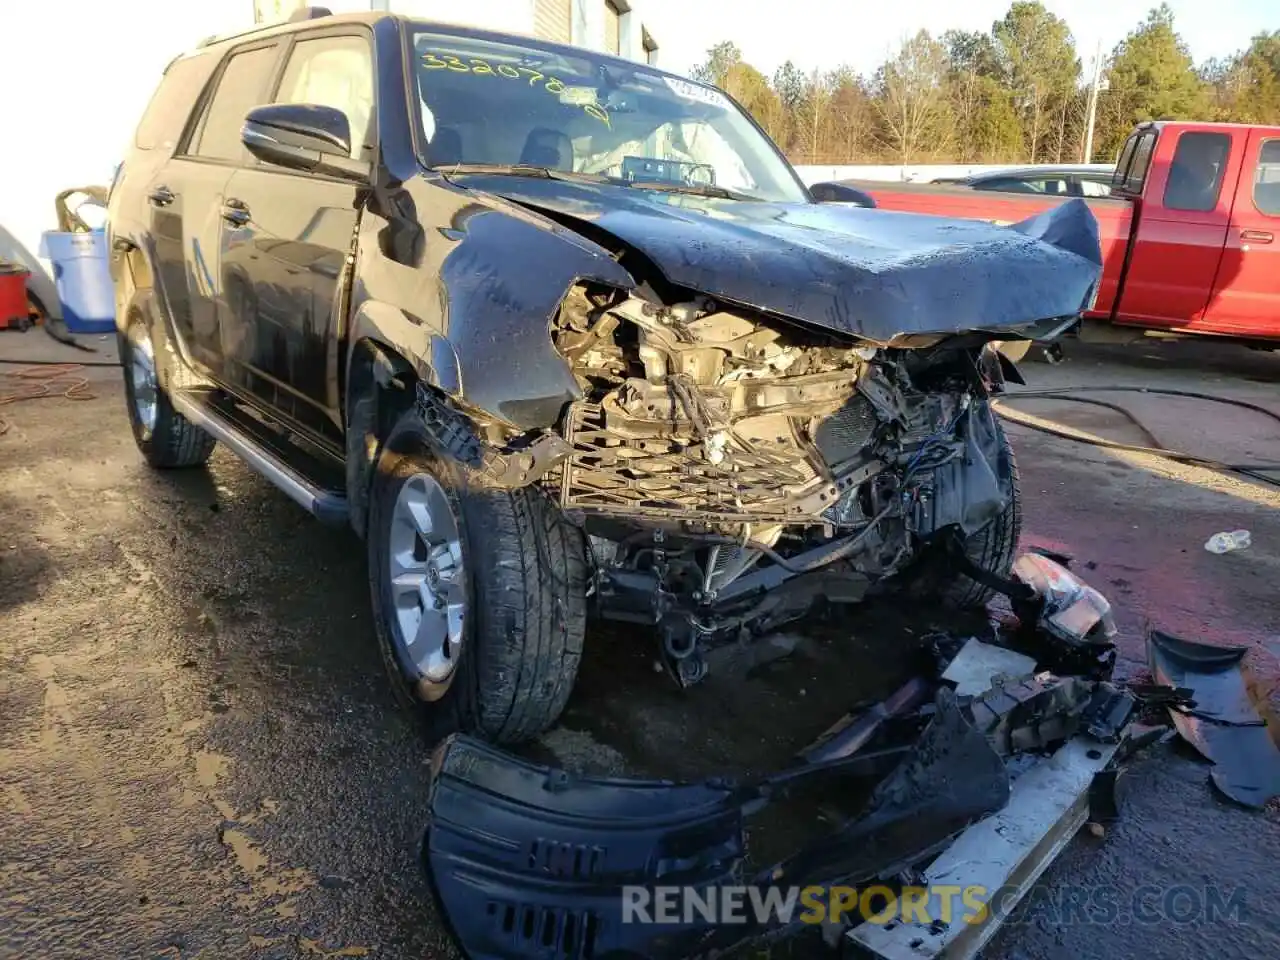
(327, 506)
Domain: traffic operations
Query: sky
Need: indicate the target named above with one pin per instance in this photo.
(829, 33)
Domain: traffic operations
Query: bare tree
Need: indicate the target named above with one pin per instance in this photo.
(815, 109)
(912, 99)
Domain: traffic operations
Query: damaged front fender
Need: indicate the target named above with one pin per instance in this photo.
(471, 305)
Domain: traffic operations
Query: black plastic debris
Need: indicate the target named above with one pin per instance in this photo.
(1109, 712)
(1227, 723)
(1104, 805)
(528, 861)
(1040, 712)
(1025, 714)
(851, 733)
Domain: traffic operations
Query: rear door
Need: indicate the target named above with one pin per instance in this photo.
(284, 259)
(187, 199)
(133, 215)
(1246, 294)
(1186, 207)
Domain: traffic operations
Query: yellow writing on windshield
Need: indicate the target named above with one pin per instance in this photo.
(482, 68)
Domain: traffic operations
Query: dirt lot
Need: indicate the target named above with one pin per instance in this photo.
(199, 756)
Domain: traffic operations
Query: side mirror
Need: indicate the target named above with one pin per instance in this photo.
(303, 136)
(835, 192)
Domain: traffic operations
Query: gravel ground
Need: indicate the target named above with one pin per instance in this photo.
(200, 757)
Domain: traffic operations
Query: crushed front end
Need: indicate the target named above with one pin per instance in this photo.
(731, 467)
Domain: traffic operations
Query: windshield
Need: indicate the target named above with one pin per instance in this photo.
(513, 101)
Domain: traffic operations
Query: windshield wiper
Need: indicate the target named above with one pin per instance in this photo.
(576, 176)
(696, 189)
(523, 170)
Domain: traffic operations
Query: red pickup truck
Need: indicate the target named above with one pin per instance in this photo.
(1188, 235)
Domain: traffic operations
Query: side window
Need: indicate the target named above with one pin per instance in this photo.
(1004, 185)
(1136, 176)
(162, 122)
(1266, 182)
(1094, 188)
(242, 86)
(1126, 155)
(1053, 186)
(334, 72)
(1195, 175)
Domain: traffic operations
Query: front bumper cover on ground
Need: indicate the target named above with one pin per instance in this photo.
(1228, 722)
(527, 861)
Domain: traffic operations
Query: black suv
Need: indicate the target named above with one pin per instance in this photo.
(558, 333)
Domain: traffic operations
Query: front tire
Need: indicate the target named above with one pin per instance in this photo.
(491, 584)
(992, 548)
(165, 437)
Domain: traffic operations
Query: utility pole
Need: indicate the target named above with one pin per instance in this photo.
(1093, 104)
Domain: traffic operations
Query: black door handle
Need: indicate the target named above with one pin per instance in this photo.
(235, 212)
(161, 196)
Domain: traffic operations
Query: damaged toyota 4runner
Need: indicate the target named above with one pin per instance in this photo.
(563, 335)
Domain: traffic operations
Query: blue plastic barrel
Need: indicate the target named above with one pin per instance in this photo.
(83, 279)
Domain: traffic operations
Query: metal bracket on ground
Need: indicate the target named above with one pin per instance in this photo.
(996, 861)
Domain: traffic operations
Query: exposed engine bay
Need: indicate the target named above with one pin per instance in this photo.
(730, 469)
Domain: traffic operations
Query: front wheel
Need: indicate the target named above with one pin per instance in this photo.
(479, 593)
(991, 549)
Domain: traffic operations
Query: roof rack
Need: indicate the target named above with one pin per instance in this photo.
(298, 16)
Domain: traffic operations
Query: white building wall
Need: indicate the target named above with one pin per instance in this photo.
(589, 27)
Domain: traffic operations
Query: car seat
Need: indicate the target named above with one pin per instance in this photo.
(545, 147)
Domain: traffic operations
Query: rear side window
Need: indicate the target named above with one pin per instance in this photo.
(1266, 182)
(242, 86)
(171, 104)
(1195, 175)
(1095, 188)
(333, 72)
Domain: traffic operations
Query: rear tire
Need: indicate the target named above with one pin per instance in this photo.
(165, 437)
(522, 577)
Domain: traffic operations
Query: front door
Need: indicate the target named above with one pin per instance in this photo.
(284, 253)
(1246, 293)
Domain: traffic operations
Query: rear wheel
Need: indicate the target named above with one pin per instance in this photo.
(479, 594)
(165, 437)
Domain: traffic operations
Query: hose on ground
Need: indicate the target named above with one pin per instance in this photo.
(40, 380)
(1255, 471)
(60, 363)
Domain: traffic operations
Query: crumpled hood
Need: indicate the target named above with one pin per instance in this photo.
(876, 274)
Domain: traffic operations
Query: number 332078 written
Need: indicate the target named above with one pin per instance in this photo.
(482, 68)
